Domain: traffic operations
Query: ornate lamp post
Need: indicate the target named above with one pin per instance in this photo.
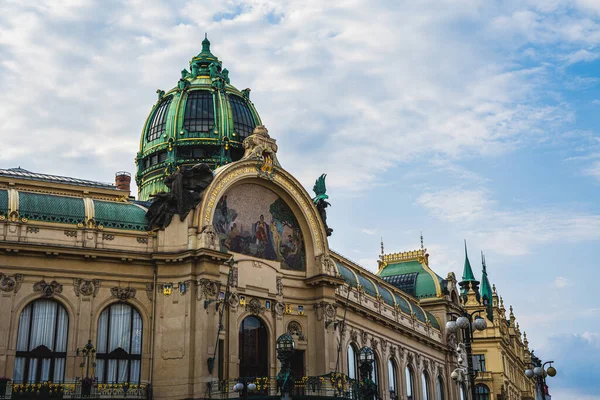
(285, 378)
(366, 387)
(88, 352)
(537, 370)
(467, 323)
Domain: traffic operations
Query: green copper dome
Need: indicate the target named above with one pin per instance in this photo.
(203, 120)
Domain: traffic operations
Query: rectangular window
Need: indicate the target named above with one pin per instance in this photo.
(479, 362)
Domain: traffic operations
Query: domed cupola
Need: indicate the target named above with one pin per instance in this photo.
(203, 120)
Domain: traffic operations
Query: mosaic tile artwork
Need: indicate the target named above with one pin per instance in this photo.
(253, 220)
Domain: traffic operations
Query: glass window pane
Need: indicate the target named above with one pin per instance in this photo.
(243, 122)
(440, 389)
(409, 383)
(199, 112)
(425, 386)
(392, 376)
(351, 362)
(159, 120)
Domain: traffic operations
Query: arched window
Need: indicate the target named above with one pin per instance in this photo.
(199, 112)
(392, 376)
(425, 385)
(159, 120)
(482, 392)
(463, 392)
(254, 348)
(41, 343)
(119, 344)
(243, 122)
(352, 364)
(439, 388)
(410, 383)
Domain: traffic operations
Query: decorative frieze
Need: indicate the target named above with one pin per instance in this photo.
(234, 277)
(108, 236)
(142, 240)
(207, 289)
(47, 289)
(71, 233)
(10, 283)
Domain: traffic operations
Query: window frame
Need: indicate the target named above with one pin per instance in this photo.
(42, 352)
(158, 122)
(122, 354)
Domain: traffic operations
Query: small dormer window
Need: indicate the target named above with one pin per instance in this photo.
(159, 120)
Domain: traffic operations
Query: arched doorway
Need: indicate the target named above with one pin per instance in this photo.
(254, 348)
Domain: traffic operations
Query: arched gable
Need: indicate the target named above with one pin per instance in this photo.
(283, 185)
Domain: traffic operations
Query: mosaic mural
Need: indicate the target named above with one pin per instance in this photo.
(253, 220)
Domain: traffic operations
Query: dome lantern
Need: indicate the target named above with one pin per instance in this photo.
(204, 119)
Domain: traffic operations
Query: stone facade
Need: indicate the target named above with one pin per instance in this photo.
(177, 279)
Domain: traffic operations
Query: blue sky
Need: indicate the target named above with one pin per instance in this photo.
(464, 119)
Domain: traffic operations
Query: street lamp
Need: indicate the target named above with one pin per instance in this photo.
(285, 350)
(366, 387)
(244, 386)
(468, 323)
(537, 370)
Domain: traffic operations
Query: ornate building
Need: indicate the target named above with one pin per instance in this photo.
(500, 352)
(179, 297)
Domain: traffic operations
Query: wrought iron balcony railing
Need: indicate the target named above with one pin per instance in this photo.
(74, 390)
(328, 385)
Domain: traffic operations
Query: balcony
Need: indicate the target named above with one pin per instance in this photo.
(338, 385)
(74, 390)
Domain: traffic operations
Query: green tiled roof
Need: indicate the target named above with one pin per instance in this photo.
(433, 320)
(424, 285)
(120, 215)
(418, 311)
(347, 275)
(51, 208)
(386, 295)
(403, 304)
(3, 202)
(367, 285)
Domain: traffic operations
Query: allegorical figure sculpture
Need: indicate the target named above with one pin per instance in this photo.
(186, 189)
(320, 201)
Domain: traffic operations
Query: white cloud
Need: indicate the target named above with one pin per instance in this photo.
(581, 55)
(596, 102)
(407, 80)
(508, 231)
(561, 282)
(369, 231)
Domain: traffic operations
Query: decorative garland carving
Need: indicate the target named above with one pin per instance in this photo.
(254, 307)
(86, 287)
(234, 301)
(374, 343)
(150, 290)
(279, 309)
(325, 309)
(234, 277)
(47, 289)
(364, 337)
(354, 336)
(294, 328)
(123, 294)
(207, 288)
(279, 285)
(10, 283)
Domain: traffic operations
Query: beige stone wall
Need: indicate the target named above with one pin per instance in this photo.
(180, 329)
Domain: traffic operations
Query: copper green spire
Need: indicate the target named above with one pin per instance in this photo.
(467, 270)
(486, 290)
(468, 278)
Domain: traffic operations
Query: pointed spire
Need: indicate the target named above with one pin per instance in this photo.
(382, 253)
(486, 290)
(467, 270)
(422, 246)
(468, 277)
